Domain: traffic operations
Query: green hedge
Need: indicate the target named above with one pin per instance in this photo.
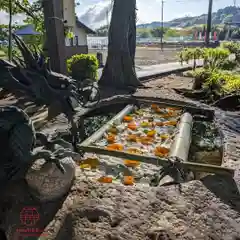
(82, 66)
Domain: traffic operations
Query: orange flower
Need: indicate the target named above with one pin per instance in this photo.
(159, 124)
(173, 109)
(158, 110)
(146, 140)
(154, 106)
(172, 114)
(115, 147)
(105, 179)
(128, 180)
(127, 119)
(131, 163)
(132, 126)
(111, 138)
(132, 138)
(161, 151)
(170, 123)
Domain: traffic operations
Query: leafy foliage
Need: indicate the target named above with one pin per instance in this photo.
(188, 54)
(234, 48)
(83, 66)
(214, 57)
(214, 78)
(158, 32)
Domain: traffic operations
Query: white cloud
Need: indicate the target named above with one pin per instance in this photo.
(93, 12)
(148, 10)
(17, 19)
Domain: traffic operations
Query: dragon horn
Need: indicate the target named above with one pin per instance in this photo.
(26, 52)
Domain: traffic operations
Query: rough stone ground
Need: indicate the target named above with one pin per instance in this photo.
(206, 209)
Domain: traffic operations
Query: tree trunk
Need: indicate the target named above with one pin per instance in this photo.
(119, 71)
(132, 34)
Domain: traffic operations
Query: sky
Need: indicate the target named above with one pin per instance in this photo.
(93, 12)
(150, 10)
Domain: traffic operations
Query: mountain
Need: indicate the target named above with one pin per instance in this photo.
(227, 14)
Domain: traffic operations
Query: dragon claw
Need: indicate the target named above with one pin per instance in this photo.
(58, 164)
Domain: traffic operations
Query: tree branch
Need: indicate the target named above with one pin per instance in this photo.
(25, 10)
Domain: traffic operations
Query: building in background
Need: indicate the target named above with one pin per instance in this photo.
(77, 42)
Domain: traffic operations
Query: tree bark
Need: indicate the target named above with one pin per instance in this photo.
(119, 70)
(132, 34)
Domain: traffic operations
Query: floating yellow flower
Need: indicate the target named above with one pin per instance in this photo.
(164, 136)
(113, 130)
(134, 150)
(145, 124)
(92, 163)
(151, 133)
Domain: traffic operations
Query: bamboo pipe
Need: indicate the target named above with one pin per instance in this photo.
(117, 119)
(181, 145)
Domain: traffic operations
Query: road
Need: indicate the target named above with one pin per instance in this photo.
(158, 69)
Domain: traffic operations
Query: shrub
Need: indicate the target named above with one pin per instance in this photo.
(214, 57)
(223, 82)
(228, 64)
(232, 83)
(188, 54)
(201, 74)
(82, 66)
(234, 48)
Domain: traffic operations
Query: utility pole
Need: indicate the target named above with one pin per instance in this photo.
(107, 18)
(209, 22)
(162, 27)
(10, 9)
(53, 21)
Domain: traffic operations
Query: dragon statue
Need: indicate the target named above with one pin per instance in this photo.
(42, 86)
(22, 144)
(18, 139)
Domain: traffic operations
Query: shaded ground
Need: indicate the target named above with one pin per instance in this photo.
(148, 56)
(207, 209)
